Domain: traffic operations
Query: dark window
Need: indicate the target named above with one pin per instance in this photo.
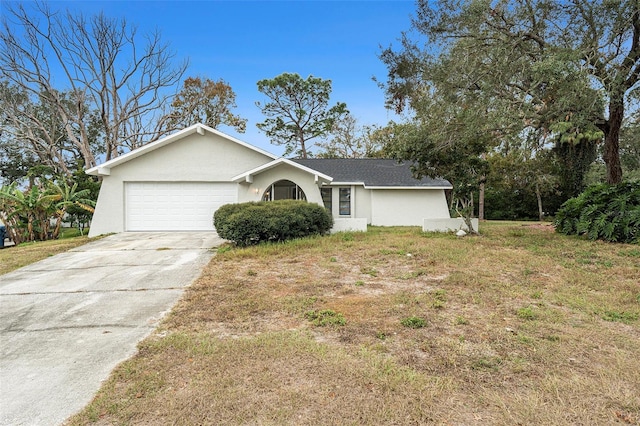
(345, 201)
(327, 198)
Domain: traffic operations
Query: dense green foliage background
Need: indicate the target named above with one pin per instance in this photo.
(604, 212)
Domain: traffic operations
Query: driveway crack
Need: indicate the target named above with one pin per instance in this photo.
(117, 290)
(75, 327)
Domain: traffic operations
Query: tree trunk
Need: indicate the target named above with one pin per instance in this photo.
(303, 146)
(612, 141)
(539, 197)
(12, 229)
(56, 230)
(30, 235)
(467, 212)
(15, 236)
(481, 202)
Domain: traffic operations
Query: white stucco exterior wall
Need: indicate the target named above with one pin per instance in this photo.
(254, 191)
(407, 207)
(363, 203)
(194, 158)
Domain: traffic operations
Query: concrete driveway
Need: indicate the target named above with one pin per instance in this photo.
(67, 321)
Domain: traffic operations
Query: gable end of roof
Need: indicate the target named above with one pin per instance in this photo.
(104, 169)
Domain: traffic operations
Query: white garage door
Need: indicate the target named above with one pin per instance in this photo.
(175, 206)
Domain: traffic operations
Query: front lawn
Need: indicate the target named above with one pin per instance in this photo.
(517, 326)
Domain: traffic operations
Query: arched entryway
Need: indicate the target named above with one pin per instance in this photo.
(283, 190)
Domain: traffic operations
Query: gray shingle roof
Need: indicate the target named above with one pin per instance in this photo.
(370, 171)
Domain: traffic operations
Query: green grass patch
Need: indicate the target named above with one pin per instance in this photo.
(630, 253)
(369, 271)
(526, 313)
(624, 317)
(487, 363)
(460, 320)
(325, 317)
(413, 322)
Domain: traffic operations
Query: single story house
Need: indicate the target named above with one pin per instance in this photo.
(177, 183)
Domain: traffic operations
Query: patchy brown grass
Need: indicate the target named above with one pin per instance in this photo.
(521, 326)
(15, 257)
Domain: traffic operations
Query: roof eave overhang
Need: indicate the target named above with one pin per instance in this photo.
(347, 183)
(408, 187)
(247, 177)
(390, 186)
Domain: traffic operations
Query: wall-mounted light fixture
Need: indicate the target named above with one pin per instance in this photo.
(257, 191)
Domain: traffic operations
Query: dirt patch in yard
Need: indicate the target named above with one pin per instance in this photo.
(541, 226)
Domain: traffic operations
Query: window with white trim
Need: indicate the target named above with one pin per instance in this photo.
(344, 202)
(283, 190)
(327, 198)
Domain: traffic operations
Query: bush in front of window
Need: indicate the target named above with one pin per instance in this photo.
(252, 223)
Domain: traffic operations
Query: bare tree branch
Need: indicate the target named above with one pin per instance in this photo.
(104, 70)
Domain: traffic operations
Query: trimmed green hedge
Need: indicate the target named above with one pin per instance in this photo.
(603, 212)
(252, 223)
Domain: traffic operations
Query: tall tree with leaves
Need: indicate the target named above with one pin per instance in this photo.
(31, 129)
(298, 111)
(630, 147)
(64, 197)
(521, 184)
(26, 212)
(348, 139)
(205, 101)
(86, 69)
(527, 53)
(440, 154)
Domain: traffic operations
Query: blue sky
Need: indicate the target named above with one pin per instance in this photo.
(245, 41)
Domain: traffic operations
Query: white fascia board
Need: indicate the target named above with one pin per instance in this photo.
(201, 129)
(249, 175)
(309, 170)
(99, 171)
(104, 171)
(347, 183)
(408, 187)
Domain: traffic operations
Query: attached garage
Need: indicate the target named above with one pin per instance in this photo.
(175, 206)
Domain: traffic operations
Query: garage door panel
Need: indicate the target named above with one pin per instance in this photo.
(178, 206)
